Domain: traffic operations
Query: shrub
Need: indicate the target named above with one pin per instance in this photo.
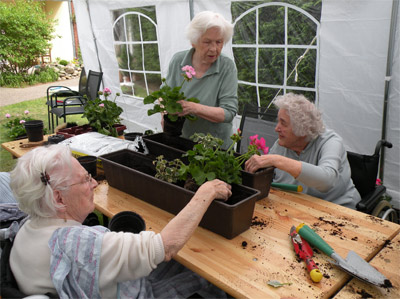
(63, 62)
(44, 75)
(26, 32)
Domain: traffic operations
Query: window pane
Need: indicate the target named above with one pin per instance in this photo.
(267, 95)
(122, 56)
(135, 57)
(132, 27)
(301, 30)
(271, 66)
(151, 58)
(245, 63)
(305, 69)
(272, 25)
(148, 30)
(119, 31)
(245, 30)
(153, 81)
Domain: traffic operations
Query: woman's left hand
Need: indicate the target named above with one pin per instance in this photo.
(187, 108)
(256, 162)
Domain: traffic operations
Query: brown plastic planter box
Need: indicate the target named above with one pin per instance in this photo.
(158, 143)
(134, 172)
(76, 130)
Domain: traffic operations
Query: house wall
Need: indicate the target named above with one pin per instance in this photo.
(62, 45)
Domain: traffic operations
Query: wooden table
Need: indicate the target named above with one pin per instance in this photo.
(243, 266)
(18, 148)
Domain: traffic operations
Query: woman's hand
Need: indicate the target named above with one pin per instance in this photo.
(213, 114)
(216, 189)
(256, 162)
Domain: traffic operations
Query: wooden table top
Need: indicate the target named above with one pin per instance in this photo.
(244, 265)
(387, 261)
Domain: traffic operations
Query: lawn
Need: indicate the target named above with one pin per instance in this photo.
(37, 110)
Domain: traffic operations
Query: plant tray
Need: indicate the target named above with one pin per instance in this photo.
(77, 130)
(134, 172)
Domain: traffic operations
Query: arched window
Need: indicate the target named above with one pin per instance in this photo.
(137, 51)
(276, 50)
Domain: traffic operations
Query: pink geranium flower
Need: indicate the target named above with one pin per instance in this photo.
(107, 90)
(259, 143)
(26, 111)
(101, 105)
(21, 121)
(189, 72)
(8, 115)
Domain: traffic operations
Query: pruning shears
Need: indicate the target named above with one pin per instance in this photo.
(303, 250)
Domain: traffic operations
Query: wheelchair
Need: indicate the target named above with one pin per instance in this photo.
(364, 172)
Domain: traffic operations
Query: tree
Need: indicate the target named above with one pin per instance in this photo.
(25, 34)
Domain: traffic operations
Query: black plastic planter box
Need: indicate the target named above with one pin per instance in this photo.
(134, 172)
(175, 142)
(175, 147)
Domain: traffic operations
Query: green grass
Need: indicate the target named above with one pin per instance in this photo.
(37, 110)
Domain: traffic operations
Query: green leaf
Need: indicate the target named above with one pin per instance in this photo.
(278, 284)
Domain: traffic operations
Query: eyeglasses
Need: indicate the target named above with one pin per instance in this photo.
(88, 178)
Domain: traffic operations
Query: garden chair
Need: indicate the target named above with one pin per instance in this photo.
(364, 172)
(257, 121)
(57, 92)
(67, 108)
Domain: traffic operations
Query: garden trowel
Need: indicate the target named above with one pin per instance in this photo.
(353, 264)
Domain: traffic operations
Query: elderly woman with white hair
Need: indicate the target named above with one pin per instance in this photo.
(307, 154)
(54, 253)
(215, 81)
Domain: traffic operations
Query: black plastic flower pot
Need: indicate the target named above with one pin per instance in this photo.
(134, 172)
(89, 163)
(34, 130)
(173, 127)
(127, 221)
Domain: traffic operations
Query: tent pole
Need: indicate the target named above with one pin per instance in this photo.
(393, 25)
(94, 38)
(191, 9)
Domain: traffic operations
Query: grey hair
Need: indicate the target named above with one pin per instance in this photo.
(305, 117)
(205, 20)
(28, 179)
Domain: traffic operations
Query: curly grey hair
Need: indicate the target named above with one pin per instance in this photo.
(304, 116)
(36, 175)
(205, 20)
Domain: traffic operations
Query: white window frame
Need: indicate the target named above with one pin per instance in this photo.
(142, 43)
(285, 46)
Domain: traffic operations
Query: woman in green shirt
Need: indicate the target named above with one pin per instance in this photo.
(215, 81)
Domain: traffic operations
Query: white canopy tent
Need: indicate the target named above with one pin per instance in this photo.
(359, 66)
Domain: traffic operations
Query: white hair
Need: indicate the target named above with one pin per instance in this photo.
(37, 174)
(304, 116)
(205, 20)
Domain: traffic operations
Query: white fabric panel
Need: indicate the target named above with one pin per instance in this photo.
(354, 38)
(392, 156)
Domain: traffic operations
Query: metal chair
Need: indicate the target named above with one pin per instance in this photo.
(73, 105)
(257, 121)
(57, 92)
(364, 172)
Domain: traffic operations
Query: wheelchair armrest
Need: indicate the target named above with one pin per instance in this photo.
(370, 200)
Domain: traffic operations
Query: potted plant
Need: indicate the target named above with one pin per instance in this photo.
(166, 100)
(207, 161)
(15, 126)
(104, 115)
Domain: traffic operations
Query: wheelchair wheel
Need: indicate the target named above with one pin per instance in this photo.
(385, 211)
